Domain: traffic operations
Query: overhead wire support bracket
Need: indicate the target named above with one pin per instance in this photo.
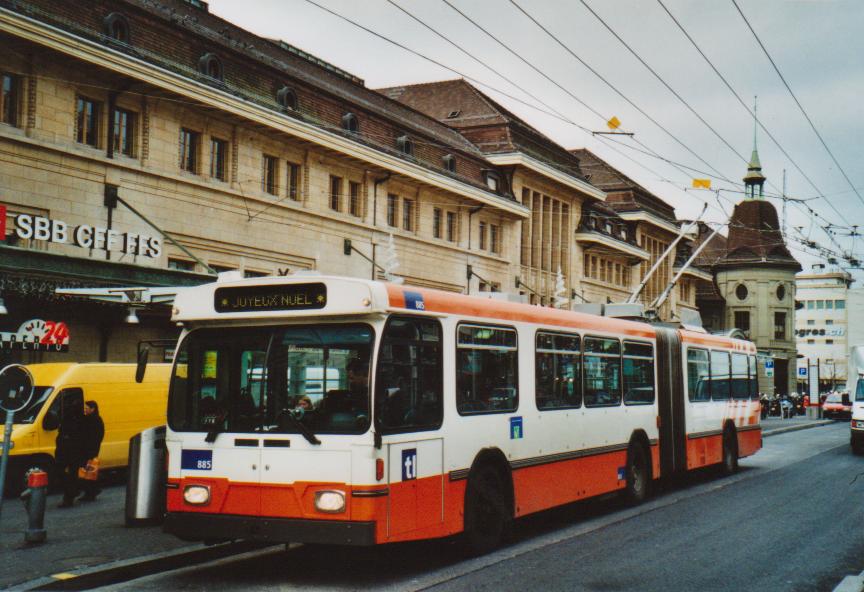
(631, 134)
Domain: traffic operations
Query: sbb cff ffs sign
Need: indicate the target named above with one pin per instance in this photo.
(29, 227)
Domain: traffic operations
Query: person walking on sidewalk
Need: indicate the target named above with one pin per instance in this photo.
(94, 431)
(69, 454)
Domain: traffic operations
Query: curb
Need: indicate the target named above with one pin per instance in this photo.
(795, 428)
(137, 567)
(851, 584)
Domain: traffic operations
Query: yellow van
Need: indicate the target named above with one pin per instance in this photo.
(126, 407)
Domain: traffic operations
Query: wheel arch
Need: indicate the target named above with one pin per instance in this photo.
(495, 457)
(640, 438)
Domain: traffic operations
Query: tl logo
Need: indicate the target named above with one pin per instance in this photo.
(409, 464)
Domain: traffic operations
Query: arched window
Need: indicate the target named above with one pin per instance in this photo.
(741, 292)
(211, 66)
(117, 27)
(405, 145)
(287, 98)
(350, 123)
(449, 162)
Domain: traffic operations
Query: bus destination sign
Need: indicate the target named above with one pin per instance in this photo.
(269, 298)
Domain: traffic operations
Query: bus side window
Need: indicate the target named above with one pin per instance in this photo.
(486, 369)
(638, 373)
(602, 371)
(409, 393)
(740, 377)
(754, 379)
(557, 371)
(720, 375)
(698, 375)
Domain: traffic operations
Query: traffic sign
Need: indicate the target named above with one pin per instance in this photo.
(16, 387)
(802, 372)
(769, 368)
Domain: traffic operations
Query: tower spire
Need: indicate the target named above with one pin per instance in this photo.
(754, 179)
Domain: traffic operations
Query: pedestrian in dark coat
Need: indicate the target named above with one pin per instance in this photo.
(94, 432)
(70, 454)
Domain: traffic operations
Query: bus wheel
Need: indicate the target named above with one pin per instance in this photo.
(488, 518)
(638, 475)
(729, 464)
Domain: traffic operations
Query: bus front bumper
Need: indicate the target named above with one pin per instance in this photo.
(223, 527)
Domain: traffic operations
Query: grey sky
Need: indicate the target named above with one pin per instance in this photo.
(816, 44)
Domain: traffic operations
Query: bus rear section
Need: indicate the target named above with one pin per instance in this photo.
(855, 386)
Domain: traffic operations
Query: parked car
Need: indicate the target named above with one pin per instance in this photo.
(837, 406)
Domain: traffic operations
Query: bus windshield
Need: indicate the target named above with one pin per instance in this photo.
(859, 391)
(264, 379)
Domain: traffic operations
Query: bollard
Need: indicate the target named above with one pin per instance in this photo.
(34, 498)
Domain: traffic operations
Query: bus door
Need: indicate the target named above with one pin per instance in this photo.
(409, 410)
(670, 394)
(416, 482)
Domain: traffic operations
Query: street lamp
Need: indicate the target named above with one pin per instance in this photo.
(132, 317)
(3, 310)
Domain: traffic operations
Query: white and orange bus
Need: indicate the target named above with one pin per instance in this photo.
(431, 413)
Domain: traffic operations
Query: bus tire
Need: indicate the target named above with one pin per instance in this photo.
(488, 514)
(729, 462)
(638, 474)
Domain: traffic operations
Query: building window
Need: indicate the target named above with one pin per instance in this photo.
(810, 305)
(742, 320)
(779, 325)
(482, 236)
(9, 99)
(218, 157)
(350, 123)
(116, 27)
(449, 163)
(741, 292)
(211, 66)
(408, 214)
(189, 142)
(269, 183)
(181, 264)
(811, 322)
(839, 304)
(820, 304)
(355, 205)
(124, 132)
(451, 227)
(287, 98)
(392, 209)
(829, 305)
(494, 238)
(829, 322)
(293, 181)
(405, 145)
(251, 273)
(811, 341)
(437, 215)
(781, 292)
(88, 121)
(335, 193)
(829, 342)
(492, 181)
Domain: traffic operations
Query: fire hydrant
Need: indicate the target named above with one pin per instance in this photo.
(34, 498)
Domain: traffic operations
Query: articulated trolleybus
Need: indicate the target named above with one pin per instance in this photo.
(346, 411)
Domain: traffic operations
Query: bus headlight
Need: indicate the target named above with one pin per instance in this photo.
(197, 495)
(331, 502)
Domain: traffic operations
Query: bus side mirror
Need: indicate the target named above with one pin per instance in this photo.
(143, 356)
(51, 421)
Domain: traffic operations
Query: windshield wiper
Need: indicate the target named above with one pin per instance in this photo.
(301, 427)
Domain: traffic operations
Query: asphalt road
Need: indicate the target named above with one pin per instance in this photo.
(790, 520)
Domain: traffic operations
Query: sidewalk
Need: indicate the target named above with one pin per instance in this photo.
(86, 535)
(774, 425)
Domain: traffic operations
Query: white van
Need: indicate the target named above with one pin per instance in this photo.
(855, 386)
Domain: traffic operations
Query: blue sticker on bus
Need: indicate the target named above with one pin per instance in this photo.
(409, 464)
(621, 474)
(414, 300)
(197, 460)
(516, 432)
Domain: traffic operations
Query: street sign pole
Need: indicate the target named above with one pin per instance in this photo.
(7, 439)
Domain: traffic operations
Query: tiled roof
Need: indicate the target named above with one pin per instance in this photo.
(755, 237)
(623, 193)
